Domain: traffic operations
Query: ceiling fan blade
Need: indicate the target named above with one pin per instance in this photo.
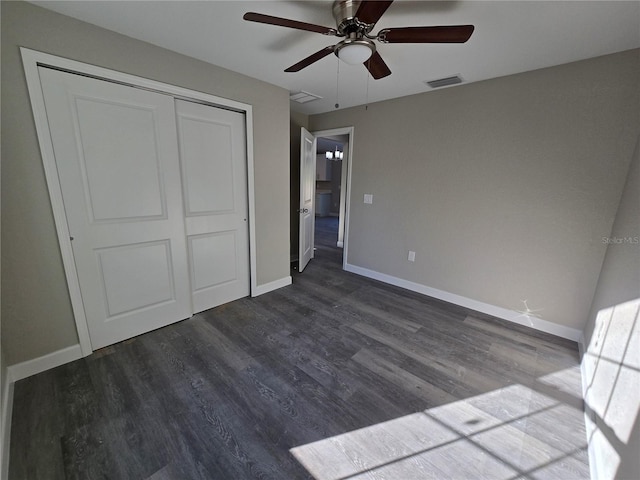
(285, 22)
(370, 11)
(444, 34)
(376, 66)
(310, 59)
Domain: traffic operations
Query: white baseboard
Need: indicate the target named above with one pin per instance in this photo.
(20, 371)
(582, 348)
(271, 286)
(46, 362)
(7, 409)
(499, 312)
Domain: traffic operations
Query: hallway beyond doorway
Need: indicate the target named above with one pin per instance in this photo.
(327, 231)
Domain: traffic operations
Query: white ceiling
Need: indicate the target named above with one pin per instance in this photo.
(510, 37)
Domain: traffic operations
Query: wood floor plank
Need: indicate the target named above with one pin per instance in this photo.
(446, 366)
(411, 384)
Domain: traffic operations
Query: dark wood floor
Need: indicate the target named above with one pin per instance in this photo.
(334, 377)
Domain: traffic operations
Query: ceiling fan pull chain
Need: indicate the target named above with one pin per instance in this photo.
(366, 100)
(338, 86)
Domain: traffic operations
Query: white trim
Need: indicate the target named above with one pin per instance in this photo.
(21, 371)
(51, 360)
(31, 59)
(499, 312)
(34, 58)
(7, 409)
(347, 193)
(271, 286)
(340, 244)
(253, 268)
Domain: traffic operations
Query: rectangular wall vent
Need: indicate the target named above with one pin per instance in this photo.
(443, 82)
(303, 97)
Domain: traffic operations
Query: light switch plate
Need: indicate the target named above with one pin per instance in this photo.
(412, 256)
(368, 198)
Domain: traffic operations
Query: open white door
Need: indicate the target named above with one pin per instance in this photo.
(307, 197)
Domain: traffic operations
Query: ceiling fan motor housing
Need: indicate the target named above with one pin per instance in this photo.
(344, 13)
(359, 48)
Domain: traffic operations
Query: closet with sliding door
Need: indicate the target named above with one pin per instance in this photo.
(154, 189)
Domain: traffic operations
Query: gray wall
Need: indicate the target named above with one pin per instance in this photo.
(612, 336)
(619, 280)
(503, 188)
(36, 310)
(4, 428)
(4, 372)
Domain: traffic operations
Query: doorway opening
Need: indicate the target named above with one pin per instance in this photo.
(321, 183)
(332, 160)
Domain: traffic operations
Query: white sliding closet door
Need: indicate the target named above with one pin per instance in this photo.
(116, 152)
(214, 182)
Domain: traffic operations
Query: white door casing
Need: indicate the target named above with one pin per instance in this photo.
(212, 159)
(343, 194)
(116, 149)
(307, 198)
(345, 190)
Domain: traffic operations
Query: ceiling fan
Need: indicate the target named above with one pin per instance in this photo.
(355, 20)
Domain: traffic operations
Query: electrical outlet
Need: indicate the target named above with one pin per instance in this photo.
(412, 256)
(368, 198)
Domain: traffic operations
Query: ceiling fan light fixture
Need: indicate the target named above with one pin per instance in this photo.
(355, 51)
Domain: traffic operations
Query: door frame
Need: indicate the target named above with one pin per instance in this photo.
(344, 216)
(31, 60)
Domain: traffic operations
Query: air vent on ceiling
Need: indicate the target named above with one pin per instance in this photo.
(304, 97)
(444, 82)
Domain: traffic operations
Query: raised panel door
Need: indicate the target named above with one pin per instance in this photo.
(116, 154)
(214, 182)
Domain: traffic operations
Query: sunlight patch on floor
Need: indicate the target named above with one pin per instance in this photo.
(512, 432)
